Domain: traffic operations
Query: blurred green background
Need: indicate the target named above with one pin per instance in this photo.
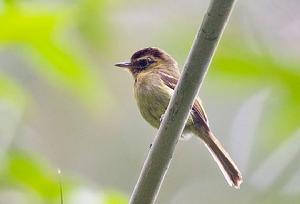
(63, 105)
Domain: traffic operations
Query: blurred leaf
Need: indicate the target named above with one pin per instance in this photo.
(84, 194)
(271, 170)
(244, 128)
(9, 2)
(292, 187)
(10, 120)
(35, 27)
(24, 171)
(283, 119)
(246, 66)
(20, 25)
(11, 93)
(115, 198)
(63, 68)
(177, 43)
(92, 22)
(239, 67)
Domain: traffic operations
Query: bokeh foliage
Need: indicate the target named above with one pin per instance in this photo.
(261, 70)
(12, 93)
(37, 31)
(42, 35)
(27, 173)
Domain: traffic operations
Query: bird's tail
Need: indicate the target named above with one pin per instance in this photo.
(225, 163)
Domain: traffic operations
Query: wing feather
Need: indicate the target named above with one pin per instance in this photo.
(170, 79)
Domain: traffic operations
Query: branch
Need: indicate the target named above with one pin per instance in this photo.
(201, 53)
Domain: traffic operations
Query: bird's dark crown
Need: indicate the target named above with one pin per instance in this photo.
(147, 59)
(149, 51)
(150, 57)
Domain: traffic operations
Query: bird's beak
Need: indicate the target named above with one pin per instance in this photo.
(123, 64)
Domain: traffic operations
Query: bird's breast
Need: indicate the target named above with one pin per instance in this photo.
(152, 97)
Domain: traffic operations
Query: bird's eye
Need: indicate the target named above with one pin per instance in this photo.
(143, 63)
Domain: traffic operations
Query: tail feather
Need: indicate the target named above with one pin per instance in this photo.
(222, 158)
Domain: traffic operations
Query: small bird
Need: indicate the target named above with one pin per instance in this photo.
(156, 75)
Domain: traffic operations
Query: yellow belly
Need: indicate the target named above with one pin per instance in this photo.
(152, 97)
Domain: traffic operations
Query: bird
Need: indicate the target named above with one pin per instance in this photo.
(156, 74)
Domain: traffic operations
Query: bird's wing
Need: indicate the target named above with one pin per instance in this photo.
(170, 79)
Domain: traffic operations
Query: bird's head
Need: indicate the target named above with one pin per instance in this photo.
(148, 59)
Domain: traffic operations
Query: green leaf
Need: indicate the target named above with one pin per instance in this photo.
(115, 198)
(62, 68)
(91, 20)
(35, 28)
(24, 171)
(243, 68)
(20, 25)
(12, 93)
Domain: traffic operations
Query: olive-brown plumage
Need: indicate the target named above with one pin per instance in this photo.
(155, 76)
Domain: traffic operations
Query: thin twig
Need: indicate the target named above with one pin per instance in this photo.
(60, 187)
(161, 152)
